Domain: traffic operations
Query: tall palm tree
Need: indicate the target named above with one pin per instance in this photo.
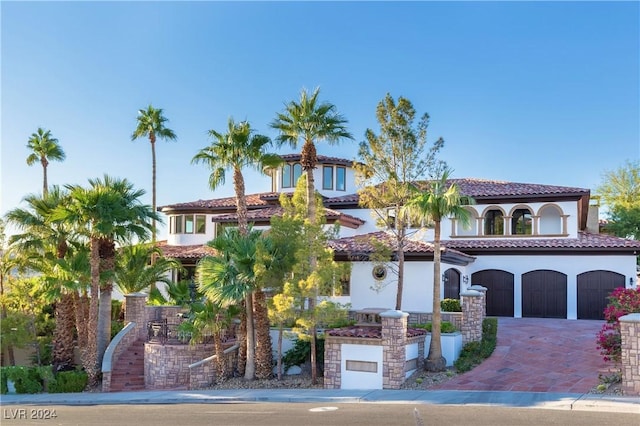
(108, 211)
(234, 150)
(134, 271)
(229, 278)
(310, 120)
(151, 124)
(44, 148)
(440, 199)
(46, 244)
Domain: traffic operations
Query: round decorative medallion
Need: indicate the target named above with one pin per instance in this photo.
(379, 272)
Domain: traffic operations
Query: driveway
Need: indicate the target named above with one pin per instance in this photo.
(538, 355)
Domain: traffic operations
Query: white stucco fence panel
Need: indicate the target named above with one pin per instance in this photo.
(360, 379)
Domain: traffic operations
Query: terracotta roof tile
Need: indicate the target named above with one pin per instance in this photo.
(253, 200)
(371, 332)
(185, 252)
(265, 215)
(322, 159)
(479, 188)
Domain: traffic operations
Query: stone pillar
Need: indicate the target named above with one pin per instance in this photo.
(482, 290)
(630, 356)
(472, 315)
(332, 363)
(394, 341)
(135, 311)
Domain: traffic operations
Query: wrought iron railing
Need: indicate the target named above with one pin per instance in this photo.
(162, 331)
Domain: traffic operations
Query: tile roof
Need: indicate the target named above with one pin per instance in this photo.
(585, 241)
(362, 244)
(265, 215)
(253, 200)
(480, 188)
(322, 159)
(185, 252)
(371, 332)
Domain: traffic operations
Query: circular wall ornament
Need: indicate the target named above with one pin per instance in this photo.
(379, 272)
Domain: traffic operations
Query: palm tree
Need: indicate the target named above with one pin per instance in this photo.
(229, 278)
(236, 149)
(151, 124)
(107, 212)
(44, 148)
(134, 271)
(441, 199)
(310, 121)
(46, 244)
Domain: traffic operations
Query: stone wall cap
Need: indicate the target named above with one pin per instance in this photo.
(136, 295)
(393, 314)
(478, 287)
(630, 318)
(474, 293)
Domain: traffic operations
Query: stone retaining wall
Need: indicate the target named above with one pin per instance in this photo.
(630, 356)
(167, 366)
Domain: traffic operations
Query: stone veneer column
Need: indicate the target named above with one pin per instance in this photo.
(630, 356)
(482, 290)
(472, 315)
(332, 363)
(135, 311)
(394, 341)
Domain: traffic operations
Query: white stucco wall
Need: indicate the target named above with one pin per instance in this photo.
(361, 379)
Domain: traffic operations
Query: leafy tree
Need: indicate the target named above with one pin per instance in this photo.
(106, 212)
(620, 191)
(134, 271)
(310, 121)
(439, 200)
(44, 148)
(391, 162)
(152, 125)
(234, 150)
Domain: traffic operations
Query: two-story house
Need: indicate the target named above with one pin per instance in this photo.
(535, 247)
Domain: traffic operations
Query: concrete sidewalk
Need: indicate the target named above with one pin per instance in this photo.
(548, 400)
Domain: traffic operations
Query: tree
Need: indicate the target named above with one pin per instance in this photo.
(228, 278)
(106, 212)
(44, 245)
(151, 124)
(391, 162)
(620, 191)
(44, 148)
(134, 271)
(234, 150)
(439, 200)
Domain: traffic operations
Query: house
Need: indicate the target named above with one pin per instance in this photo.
(536, 248)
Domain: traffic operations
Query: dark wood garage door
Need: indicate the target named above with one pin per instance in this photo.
(499, 286)
(594, 287)
(451, 284)
(544, 294)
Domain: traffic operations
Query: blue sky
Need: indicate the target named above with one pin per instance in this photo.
(537, 92)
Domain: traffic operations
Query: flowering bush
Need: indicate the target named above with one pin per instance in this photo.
(622, 301)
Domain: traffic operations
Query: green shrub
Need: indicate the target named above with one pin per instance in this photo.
(69, 381)
(301, 353)
(450, 305)
(473, 353)
(445, 327)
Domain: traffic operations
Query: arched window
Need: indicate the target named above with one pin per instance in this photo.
(297, 172)
(521, 222)
(494, 223)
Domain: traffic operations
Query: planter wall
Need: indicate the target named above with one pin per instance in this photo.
(451, 346)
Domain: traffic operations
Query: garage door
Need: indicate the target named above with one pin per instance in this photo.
(544, 294)
(594, 287)
(499, 286)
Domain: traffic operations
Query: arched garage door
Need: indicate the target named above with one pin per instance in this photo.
(594, 287)
(499, 286)
(544, 294)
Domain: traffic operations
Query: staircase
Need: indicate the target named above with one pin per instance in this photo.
(128, 371)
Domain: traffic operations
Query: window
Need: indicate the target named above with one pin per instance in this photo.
(493, 223)
(188, 224)
(286, 176)
(327, 177)
(341, 177)
(521, 223)
(297, 172)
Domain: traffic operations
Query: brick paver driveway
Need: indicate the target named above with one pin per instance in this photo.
(538, 355)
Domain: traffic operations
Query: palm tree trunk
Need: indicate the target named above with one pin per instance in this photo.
(250, 367)
(90, 352)
(279, 361)
(264, 352)
(152, 140)
(81, 309)
(241, 339)
(63, 334)
(435, 361)
(107, 255)
(241, 201)
(45, 185)
(221, 362)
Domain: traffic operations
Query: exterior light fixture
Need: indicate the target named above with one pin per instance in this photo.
(465, 279)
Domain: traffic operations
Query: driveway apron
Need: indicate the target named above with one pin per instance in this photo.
(538, 355)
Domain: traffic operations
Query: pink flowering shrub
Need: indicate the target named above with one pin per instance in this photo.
(622, 301)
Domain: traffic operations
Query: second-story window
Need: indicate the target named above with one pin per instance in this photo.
(187, 224)
(493, 223)
(327, 177)
(341, 178)
(521, 222)
(286, 176)
(297, 172)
